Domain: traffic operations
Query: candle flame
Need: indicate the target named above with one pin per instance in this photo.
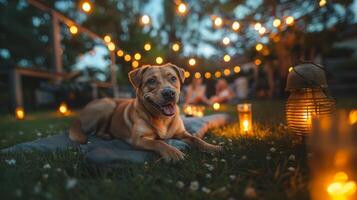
(246, 125)
(341, 188)
(63, 108)
(20, 113)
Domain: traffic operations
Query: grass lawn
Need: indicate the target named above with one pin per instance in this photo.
(266, 165)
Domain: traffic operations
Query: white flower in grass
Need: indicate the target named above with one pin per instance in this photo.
(71, 183)
(206, 190)
(221, 143)
(58, 170)
(21, 132)
(223, 160)
(209, 167)
(194, 185)
(39, 134)
(208, 175)
(180, 184)
(268, 157)
(214, 159)
(47, 166)
(244, 157)
(250, 193)
(45, 176)
(214, 141)
(232, 177)
(230, 140)
(292, 157)
(273, 150)
(11, 161)
(292, 169)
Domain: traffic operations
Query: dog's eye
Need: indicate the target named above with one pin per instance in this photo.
(173, 79)
(151, 81)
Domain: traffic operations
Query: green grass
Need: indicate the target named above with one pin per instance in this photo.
(259, 165)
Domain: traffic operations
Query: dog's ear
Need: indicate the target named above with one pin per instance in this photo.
(136, 75)
(180, 72)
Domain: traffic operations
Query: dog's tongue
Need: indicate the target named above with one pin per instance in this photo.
(169, 109)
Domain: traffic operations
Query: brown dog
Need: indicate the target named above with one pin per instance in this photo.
(146, 121)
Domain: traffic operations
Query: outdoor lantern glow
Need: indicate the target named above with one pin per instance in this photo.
(259, 47)
(308, 98)
(187, 74)
(289, 20)
(147, 47)
(226, 40)
(159, 60)
(236, 69)
(63, 109)
(216, 106)
(86, 6)
(191, 61)
(73, 29)
(245, 117)
(111, 46)
(194, 111)
(182, 8)
(235, 26)
(227, 58)
(120, 53)
(20, 113)
(341, 187)
(137, 56)
(276, 22)
(175, 47)
(127, 57)
(208, 75)
(218, 21)
(145, 19)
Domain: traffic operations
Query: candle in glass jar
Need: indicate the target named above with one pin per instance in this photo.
(245, 117)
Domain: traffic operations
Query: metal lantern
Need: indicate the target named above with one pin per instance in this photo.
(308, 97)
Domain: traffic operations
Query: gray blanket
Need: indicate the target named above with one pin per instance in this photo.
(108, 152)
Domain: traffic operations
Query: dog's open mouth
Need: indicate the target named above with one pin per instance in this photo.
(167, 109)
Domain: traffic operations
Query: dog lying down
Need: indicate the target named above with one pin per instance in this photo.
(146, 121)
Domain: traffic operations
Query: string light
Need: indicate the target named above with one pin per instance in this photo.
(197, 75)
(235, 26)
(182, 8)
(322, 3)
(127, 57)
(159, 60)
(236, 69)
(227, 72)
(257, 62)
(147, 47)
(187, 74)
(175, 47)
(107, 39)
(259, 47)
(63, 109)
(226, 58)
(290, 69)
(145, 19)
(111, 46)
(137, 56)
(276, 22)
(20, 113)
(262, 30)
(208, 75)
(120, 53)
(289, 20)
(73, 29)
(257, 26)
(216, 106)
(135, 64)
(192, 61)
(86, 6)
(218, 74)
(218, 21)
(226, 41)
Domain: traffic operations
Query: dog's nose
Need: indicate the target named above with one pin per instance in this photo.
(168, 94)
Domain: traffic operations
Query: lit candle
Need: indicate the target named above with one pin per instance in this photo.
(20, 113)
(63, 109)
(245, 117)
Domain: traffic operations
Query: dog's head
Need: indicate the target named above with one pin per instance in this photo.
(158, 87)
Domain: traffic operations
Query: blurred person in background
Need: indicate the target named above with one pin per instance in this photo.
(196, 92)
(223, 92)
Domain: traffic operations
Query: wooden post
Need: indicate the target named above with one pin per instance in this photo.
(57, 49)
(16, 97)
(113, 77)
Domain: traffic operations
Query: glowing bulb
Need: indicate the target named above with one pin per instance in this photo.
(226, 41)
(259, 47)
(111, 46)
(145, 19)
(291, 69)
(86, 6)
(147, 47)
(20, 113)
(107, 39)
(182, 8)
(235, 26)
(127, 57)
(175, 47)
(236, 69)
(216, 106)
(226, 58)
(226, 72)
(120, 53)
(218, 74)
(289, 20)
(187, 74)
(353, 117)
(245, 125)
(197, 75)
(208, 75)
(257, 26)
(257, 61)
(63, 108)
(135, 64)
(322, 3)
(262, 30)
(218, 22)
(159, 60)
(276, 22)
(192, 61)
(137, 56)
(73, 29)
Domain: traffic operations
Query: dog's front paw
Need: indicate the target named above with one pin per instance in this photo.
(172, 154)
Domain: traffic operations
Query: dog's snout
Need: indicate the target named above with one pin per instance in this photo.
(168, 94)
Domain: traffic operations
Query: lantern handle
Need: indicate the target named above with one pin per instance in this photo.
(312, 82)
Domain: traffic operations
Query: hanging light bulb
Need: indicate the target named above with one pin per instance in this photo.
(289, 20)
(192, 61)
(257, 62)
(159, 60)
(322, 3)
(175, 47)
(120, 53)
(227, 72)
(218, 22)
(135, 64)
(236, 69)
(73, 29)
(147, 47)
(187, 74)
(218, 74)
(197, 75)
(111, 46)
(235, 26)
(86, 6)
(208, 75)
(227, 58)
(276, 22)
(259, 47)
(127, 57)
(137, 56)
(145, 19)
(257, 26)
(182, 8)
(226, 40)
(262, 30)
(107, 38)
